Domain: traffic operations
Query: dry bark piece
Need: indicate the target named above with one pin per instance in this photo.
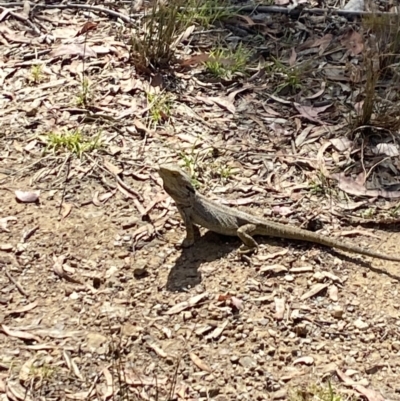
(186, 304)
(199, 363)
(317, 288)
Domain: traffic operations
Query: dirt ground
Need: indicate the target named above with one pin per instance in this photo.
(97, 299)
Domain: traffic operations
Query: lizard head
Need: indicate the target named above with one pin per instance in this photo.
(176, 182)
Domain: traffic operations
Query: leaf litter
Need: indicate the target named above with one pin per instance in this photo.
(274, 138)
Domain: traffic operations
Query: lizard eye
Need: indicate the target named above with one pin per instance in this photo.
(190, 188)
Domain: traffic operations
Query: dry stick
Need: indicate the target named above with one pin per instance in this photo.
(20, 289)
(115, 14)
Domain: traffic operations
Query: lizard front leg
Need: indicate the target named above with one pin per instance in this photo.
(244, 233)
(192, 231)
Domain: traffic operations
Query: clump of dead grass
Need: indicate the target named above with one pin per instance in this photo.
(380, 104)
(153, 44)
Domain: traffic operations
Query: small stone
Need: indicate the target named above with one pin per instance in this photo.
(6, 247)
(248, 362)
(360, 324)
(337, 312)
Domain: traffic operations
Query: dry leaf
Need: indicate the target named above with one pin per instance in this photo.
(199, 363)
(24, 335)
(67, 207)
(353, 42)
(307, 360)
(88, 26)
(23, 309)
(112, 168)
(314, 291)
(357, 187)
(73, 49)
(186, 304)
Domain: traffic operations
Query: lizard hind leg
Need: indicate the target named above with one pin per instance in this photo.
(249, 244)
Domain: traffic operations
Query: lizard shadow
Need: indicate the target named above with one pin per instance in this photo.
(209, 247)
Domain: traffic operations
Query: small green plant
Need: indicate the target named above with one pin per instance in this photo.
(317, 393)
(205, 12)
(190, 162)
(223, 63)
(159, 105)
(73, 142)
(42, 372)
(36, 73)
(320, 185)
(291, 76)
(84, 96)
(368, 213)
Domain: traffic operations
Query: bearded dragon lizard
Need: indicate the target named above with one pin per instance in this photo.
(197, 209)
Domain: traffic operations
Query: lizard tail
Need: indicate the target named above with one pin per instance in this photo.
(310, 236)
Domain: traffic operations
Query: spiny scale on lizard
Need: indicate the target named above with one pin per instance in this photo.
(196, 209)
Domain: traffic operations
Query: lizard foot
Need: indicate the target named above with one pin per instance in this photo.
(245, 250)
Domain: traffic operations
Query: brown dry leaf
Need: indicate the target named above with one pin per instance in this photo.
(199, 363)
(369, 394)
(141, 127)
(342, 143)
(357, 187)
(27, 196)
(186, 304)
(314, 291)
(15, 391)
(307, 360)
(26, 369)
(353, 42)
(158, 350)
(67, 207)
(72, 365)
(319, 93)
(216, 333)
(73, 49)
(23, 309)
(24, 335)
(183, 36)
(310, 112)
(196, 59)
(279, 308)
(224, 102)
(112, 168)
(324, 42)
(4, 222)
(109, 384)
(88, 26)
